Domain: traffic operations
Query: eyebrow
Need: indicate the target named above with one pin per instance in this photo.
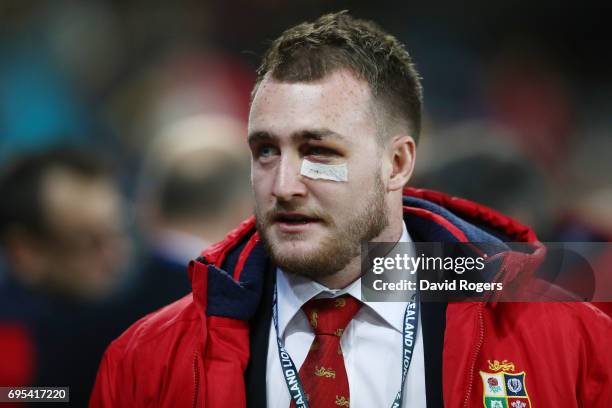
(317, 134)
(310, 134)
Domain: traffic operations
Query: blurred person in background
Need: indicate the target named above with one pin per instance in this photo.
(193, 187)
(64, 252)
(587, 207)
(481, 161)
(586, 216)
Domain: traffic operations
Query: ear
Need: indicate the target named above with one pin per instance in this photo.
(401, 152)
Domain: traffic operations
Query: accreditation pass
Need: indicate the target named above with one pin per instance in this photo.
(34, 394)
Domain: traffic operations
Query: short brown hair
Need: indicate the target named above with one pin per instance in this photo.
(311, 51)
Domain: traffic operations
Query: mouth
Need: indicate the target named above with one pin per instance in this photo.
(294, 222)
(294, 218)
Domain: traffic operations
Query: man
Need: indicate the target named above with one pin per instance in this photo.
(64, 249)
(61, 224)
(334, 121)
(193, 189)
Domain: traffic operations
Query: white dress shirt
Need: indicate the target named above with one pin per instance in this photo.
(371, 345)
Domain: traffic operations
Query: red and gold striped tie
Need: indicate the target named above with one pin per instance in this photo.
(323, 373)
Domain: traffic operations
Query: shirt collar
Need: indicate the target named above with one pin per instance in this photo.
(293, 291)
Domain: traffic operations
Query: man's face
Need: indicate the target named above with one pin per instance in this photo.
(314, 227)
(86, 248)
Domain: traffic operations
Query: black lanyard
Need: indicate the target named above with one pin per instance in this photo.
(291, 374)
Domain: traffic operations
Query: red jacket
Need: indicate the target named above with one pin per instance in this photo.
(194, 352)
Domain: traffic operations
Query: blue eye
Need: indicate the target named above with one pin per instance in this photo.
(266, 151)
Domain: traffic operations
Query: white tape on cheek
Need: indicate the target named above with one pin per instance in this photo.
(320, 171)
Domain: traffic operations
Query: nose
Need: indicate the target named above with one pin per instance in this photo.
(288, 183)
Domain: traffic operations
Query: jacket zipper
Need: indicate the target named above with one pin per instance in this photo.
(196, 379)
(475, 355)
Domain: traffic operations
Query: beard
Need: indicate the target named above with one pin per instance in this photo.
(341, 245)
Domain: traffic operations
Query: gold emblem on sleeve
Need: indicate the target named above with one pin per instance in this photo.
(505, 365)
